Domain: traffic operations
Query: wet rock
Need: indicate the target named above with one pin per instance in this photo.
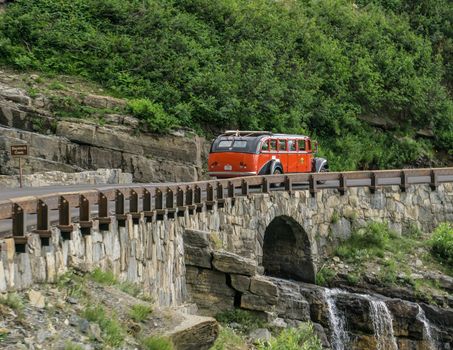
(321, 333)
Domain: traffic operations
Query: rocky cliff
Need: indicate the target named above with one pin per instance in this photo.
(105, 137)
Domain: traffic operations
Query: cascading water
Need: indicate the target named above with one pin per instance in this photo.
(340, 338)
(428, 334)
(383, 324)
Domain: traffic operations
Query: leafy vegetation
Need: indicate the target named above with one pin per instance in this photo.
(140, 312)
(324, 276)
(442, 243)
(111, 328)
(317, 67)
(103, 277)
(301, 338)
(157, 343)
(229, 340)
(72, 346)
(245, 321)
(13, 301)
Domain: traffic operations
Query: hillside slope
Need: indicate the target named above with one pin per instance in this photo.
(364, 79)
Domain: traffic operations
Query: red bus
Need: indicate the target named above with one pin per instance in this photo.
(248, 153)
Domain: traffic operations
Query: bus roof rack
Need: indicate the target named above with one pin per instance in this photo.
(245, 133)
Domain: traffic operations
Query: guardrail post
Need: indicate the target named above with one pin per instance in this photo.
(103, 212)
(404, 183)
(84, 216)
(313, 185)
(265, 185)
(42, 222)
(133, 207)
(288, 184)
(197, 197)
(209, 196)
(220, 195)
(434, 180)
(159, 204)
(64, 218)
(244, 188)
(180, 201)
(343, 185)
(147, 205)
(169, 203)
(119, 208)
(19, 228)
(189, 199)
(374, 182)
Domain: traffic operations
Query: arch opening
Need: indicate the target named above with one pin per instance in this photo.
(287, 251)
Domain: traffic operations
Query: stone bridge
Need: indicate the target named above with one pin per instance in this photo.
(278, 225)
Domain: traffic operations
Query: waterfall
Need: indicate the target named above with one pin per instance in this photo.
(383, 324)
(427, 328)
(337, 323)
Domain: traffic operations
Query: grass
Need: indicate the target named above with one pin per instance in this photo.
(442, 244)
(72, 346)
(140, 312)
(73, 283)
(229, 340)
(324, 276)
(130, 288)
(110, 326)
(103, 277)
(247, 320)
(13, 301)
(157, 343)
(301, 338)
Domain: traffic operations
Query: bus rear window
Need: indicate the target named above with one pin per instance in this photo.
(232, 144)
(239, 144)
(225, 144)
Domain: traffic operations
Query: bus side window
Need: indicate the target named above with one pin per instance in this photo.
(292, 145)
(308, 145)
(301, 144)
(265, 146)
(273, 145)
(282, 145)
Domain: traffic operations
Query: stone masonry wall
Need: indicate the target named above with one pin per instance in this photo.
(149, 254)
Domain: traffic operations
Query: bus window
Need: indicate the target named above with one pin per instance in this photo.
(273, 145)
(292, 145)
(282, 145)
(308, 145)
(265, 146)
(301, 144)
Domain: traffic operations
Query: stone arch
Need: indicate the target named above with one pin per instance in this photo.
(287, 250)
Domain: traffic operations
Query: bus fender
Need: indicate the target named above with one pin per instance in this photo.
(320, 164)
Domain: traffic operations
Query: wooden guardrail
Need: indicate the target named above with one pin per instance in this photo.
(157, 200)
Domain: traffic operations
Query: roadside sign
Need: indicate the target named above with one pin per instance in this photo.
(19, 150)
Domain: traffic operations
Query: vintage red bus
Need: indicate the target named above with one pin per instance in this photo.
(247, 153)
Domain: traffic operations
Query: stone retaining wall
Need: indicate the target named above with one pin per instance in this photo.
(149, 254)
(99, 176)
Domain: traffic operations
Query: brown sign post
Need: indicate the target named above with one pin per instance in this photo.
(19, 151)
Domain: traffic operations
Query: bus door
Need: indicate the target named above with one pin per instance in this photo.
(283, 154)
(293, 157)
(304, 163)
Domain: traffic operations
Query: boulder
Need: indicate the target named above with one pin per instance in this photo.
(233, 263)
(262, 286)
(209, 290)
(260, 335)
(194, 333)
(240, 282)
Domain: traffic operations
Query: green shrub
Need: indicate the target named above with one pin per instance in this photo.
(130, 288)
(152, 114)
(110, 326)
(103, 277)
(13, 301)
(376, 234)
(324, 276)
(229, 340)
(247, 320)
(140, 312)
(301, 338)
(157, 343)
(442, 243)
